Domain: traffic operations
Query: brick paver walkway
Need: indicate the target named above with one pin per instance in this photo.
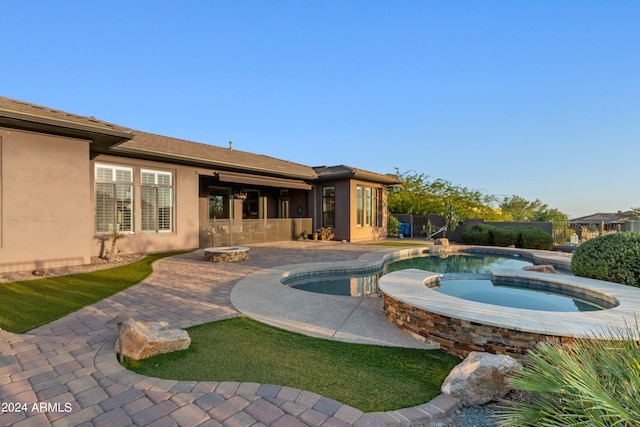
(66, 374)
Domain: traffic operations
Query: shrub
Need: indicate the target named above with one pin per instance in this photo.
(477, 234)
(612, 257)
(589, 383)
(393, 226)
(521, 237)
(534, 238)
(503, 236)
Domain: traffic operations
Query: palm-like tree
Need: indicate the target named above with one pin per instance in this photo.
(450, 217)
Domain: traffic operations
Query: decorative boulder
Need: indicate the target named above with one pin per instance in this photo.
(141, 340)
(441, 241)
(541, 268)
(481, 378)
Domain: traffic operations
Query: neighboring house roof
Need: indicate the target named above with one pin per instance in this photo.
(326, 173)
(32, 117)
(599, 217)
(166, 148)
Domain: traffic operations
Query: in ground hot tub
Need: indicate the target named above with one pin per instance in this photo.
(460, 326)
(226, 254)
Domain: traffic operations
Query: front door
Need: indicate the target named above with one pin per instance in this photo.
(283, 207)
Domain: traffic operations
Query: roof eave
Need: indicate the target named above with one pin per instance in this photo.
(374, 177)
(102, 136)
(363, 176)
(208, 162)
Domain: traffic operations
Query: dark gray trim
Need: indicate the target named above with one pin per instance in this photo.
(243, 178)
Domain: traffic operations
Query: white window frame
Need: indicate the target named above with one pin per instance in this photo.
(121, 219)
(154, 183)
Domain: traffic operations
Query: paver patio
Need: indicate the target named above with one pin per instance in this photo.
(65, 373)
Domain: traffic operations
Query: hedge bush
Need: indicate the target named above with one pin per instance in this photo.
(503, 236)
(520, 237)
(477, 234)
(612, 257)
(534, 238)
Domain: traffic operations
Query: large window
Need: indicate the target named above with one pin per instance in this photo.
(367, 206)
(114, 199)
(156, 196)
(329, 206)
(219, 203)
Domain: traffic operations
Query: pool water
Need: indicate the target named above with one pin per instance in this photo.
(366, 283)
(465, 276)
(355, 286)
(488, 292)
(478, 264)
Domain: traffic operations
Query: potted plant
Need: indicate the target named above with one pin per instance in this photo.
(325, 234)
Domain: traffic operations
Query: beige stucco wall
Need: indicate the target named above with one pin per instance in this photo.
(368, 233)
(185, 234)
(46, 213)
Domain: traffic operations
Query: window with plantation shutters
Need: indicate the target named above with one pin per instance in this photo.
(113, 199)
(156, 196)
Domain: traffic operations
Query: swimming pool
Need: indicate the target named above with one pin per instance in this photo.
(465, 276)
(365, 283)
(455, 325)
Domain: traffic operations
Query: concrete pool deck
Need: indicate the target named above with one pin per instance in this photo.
(263, 297)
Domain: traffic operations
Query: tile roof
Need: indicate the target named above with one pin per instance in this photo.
(149, 144)
(39, 112)
(30, 116)
(603, 216)
(111, 138)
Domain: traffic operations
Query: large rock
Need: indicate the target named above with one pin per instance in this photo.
(141, 340)
(542, 268)
(481, 378)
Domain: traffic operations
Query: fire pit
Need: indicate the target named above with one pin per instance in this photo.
(226, 254)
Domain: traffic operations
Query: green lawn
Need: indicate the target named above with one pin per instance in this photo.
(29, 304)
(367, 377)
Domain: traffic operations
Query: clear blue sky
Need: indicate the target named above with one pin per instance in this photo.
(535, 98)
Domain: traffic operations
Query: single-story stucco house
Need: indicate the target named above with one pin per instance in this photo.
(590, 226)
(68, 180)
